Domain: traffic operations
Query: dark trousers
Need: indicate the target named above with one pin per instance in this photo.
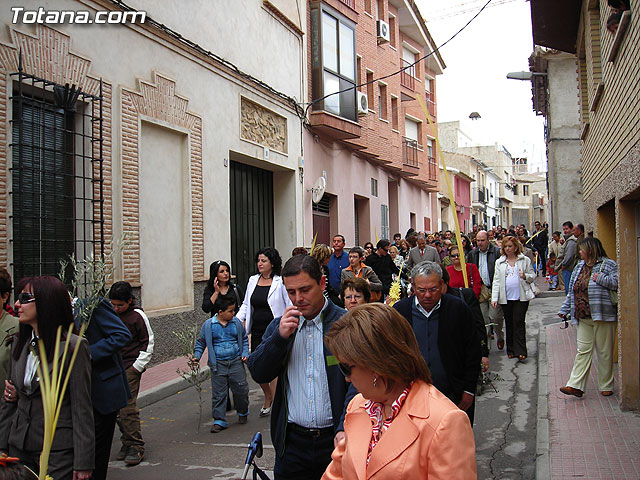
(60, 462)
(515, 312)
(105, 425)
(305, 457)
(129, 416)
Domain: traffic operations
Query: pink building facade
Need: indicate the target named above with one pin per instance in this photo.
(372, 144)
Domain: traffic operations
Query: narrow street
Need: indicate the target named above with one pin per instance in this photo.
(505, 422)
(505, 428)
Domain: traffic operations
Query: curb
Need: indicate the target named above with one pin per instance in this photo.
(551, 293)
(543, 447)
(167, 389)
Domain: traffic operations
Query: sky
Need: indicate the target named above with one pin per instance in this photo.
(497, 42)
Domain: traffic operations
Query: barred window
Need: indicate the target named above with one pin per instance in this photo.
(56, 175)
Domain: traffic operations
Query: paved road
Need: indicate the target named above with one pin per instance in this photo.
(505, 421)
(505, 428)
(175, 450)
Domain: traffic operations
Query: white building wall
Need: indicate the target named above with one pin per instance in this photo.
(126, 55)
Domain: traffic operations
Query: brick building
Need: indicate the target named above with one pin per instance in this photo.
(372, 145)
(608, 70)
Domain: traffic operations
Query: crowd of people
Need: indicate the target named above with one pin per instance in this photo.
(380, 344)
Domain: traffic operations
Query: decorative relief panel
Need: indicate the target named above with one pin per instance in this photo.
(262, 126)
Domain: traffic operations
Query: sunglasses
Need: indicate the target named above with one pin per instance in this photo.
(26, 297)
(345, 369)
(454, 255)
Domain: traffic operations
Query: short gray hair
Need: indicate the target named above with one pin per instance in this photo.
(422, 236)
(424, 269)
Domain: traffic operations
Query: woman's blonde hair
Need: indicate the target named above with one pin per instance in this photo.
(593, 248)
(393, 249)
(514, 240)
(321, 253)
(377, 337)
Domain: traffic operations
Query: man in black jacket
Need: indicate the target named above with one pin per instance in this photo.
(383, 265)
(446, 335)
(484, 256)
(540, 241)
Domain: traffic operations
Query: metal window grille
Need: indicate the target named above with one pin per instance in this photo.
(56, 174)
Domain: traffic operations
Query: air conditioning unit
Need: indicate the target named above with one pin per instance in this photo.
(384, 35)
(363, 104)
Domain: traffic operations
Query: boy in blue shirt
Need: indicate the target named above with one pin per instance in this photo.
(226, 342)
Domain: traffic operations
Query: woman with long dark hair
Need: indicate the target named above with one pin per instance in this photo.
(220, 284)
(266, 299)
(43, 305)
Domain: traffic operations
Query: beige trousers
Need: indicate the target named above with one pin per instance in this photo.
(599, 336)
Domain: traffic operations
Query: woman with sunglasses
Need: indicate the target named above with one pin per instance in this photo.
(456, 277)
(399, 425)
(220, 285)
(43, 305)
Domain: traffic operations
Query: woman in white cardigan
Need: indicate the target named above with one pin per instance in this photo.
(266, 299)
(511, 288)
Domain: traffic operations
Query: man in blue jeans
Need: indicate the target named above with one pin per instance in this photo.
(570, 251)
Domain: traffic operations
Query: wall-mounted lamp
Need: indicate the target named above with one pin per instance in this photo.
(524, 75)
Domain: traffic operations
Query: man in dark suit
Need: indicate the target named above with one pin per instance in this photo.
(484, 256)
(446, 335)
(311, 394)
(109, 386)
(383, 265)
(422, 253)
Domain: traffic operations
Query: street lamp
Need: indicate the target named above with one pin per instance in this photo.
(524, 75)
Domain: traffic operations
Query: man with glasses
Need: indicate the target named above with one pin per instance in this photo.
(484, 256)
(446, 335)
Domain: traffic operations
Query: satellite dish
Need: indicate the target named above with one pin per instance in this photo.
(318, 190)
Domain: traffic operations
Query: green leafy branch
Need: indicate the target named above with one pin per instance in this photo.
(193, 375)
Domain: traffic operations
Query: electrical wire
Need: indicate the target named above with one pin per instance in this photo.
(148, 20)
(297, 106)
(406, 67)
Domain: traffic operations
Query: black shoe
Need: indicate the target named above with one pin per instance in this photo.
(134, 457)
(242, 419)
(122, 454)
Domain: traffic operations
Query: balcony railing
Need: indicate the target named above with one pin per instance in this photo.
(407, 76)
(433, 169)
(431, 104)
(349, 3)
(410, 152)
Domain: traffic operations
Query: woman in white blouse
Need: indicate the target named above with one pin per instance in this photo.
(511, 288)
(266, 299)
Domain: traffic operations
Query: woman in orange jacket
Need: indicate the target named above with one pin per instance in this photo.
(399, 426)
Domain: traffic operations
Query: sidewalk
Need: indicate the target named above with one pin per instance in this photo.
(163, 380)
(588, 437)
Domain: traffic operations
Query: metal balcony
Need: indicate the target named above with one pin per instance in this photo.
(410, 152)
(407, 76)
